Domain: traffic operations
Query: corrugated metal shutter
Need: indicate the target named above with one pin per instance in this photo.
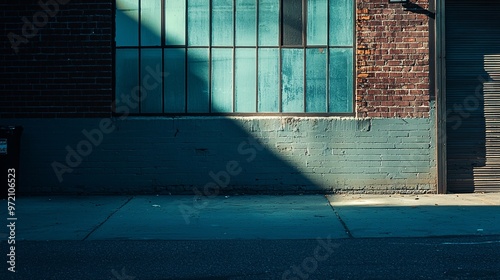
(473, 95)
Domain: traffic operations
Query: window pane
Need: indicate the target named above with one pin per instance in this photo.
(341, 23)
(341, 79)
(174, 89)
(246, 22)
(127, 22)
(292, 80)
(150, 22)
(127, 81)
(222, 80)
(151, 81)
(316, 80)
(198, 22)
(269, 14)
(245, 80)
(268, 77)
(317, 24)
(198, 88)
(222, 22)
(292, 23)
(175, 22)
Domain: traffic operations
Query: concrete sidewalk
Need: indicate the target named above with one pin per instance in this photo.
(419, 215)
(252, 217)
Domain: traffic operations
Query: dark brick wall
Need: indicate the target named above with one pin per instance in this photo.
(57, 60)
(392, 60)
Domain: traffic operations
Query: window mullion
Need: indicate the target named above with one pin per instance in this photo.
(139, 56)
(210, 56)
(234, 57)
(257, 56)
(280, 64)
(327, 56)
(304, 46)
(186, 70)
(162, 46)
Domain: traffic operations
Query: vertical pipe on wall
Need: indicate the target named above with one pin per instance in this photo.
(440, 94)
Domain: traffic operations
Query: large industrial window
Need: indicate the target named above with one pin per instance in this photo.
(234, 56)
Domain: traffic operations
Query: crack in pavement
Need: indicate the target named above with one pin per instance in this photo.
(346, 228)
(107, 218)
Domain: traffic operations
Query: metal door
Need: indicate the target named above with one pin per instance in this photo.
(473, 95)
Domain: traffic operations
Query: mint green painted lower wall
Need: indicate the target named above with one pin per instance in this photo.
(237, 154)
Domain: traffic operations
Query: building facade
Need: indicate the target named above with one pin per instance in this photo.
(268, 96)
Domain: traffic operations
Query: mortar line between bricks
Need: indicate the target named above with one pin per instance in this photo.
(347, 231)
(107, 218)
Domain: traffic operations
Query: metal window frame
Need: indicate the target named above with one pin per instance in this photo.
(279, 46)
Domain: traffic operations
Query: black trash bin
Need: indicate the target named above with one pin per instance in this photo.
(10, 150)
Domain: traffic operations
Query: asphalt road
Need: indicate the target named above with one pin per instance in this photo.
(476, 257)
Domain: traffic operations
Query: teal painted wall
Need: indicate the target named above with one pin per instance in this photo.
(242, 154)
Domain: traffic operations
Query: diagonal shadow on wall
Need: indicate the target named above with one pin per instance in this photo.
(267, 149)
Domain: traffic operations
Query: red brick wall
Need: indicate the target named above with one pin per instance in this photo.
(56, 61)
(392, 60)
